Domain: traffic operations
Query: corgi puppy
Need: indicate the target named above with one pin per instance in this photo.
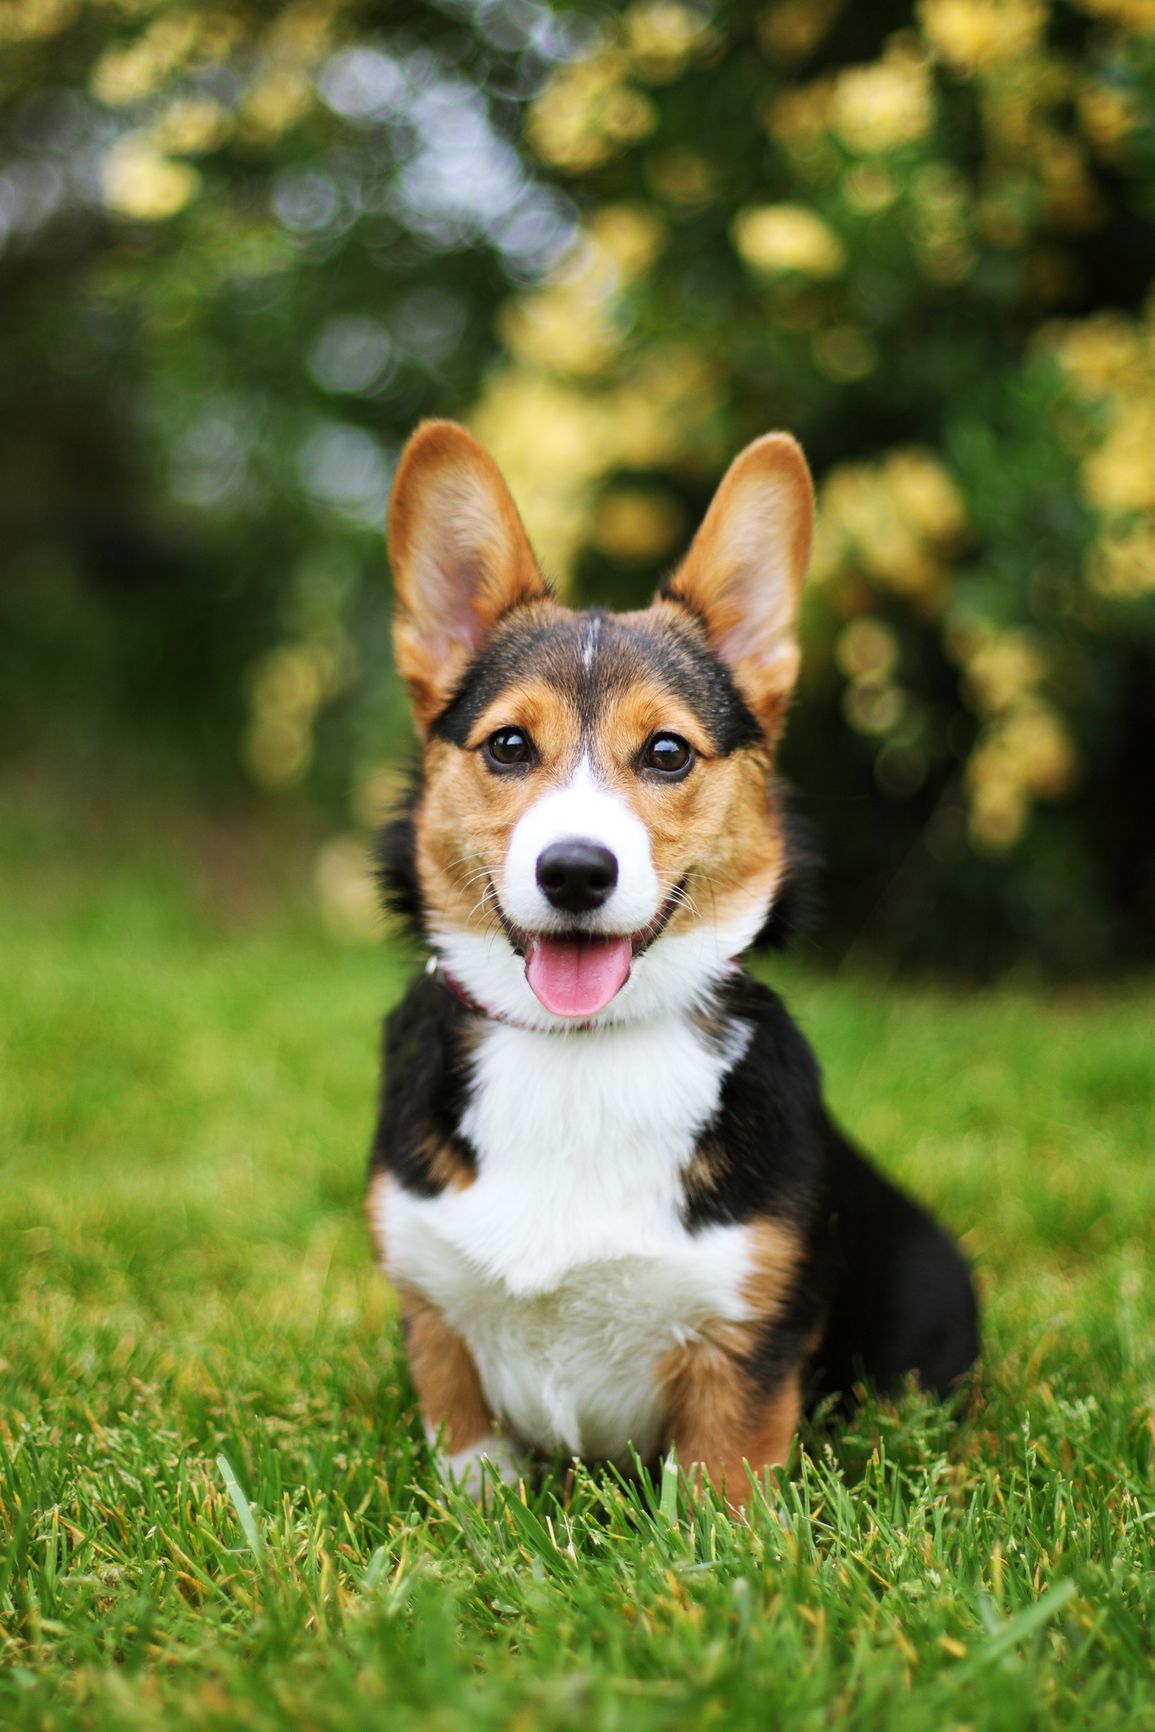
(603, 1182)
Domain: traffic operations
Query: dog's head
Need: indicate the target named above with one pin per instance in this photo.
(597, 833)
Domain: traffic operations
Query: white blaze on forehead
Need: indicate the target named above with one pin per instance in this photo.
(585, 810)
(590, 642)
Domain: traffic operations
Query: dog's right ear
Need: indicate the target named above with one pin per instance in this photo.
(460, 558)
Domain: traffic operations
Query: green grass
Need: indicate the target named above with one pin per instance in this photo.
(215, 1506)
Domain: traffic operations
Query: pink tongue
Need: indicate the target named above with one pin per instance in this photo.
(578, 976)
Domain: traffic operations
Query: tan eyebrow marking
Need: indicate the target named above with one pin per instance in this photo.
(530, 704)
(644, 710)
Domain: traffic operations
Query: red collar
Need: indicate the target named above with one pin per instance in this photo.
(454, 988)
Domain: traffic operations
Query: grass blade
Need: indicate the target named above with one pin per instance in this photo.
(243, 1508)
(1019, 1628)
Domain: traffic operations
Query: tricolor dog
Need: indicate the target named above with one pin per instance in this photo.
(604, 1183)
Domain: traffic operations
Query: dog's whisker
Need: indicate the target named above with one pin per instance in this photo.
(488, 896)
(474, 878)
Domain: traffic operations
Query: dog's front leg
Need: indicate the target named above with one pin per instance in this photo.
(460, 1428)
(720, 1417)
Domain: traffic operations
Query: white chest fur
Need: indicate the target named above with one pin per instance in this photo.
(565, 1265)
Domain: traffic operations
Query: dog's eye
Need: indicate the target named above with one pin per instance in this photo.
(669, 753)
(508, 747)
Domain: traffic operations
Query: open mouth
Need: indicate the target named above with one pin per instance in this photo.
(576, 974)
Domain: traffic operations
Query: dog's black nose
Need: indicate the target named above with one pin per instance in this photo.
(576, 876)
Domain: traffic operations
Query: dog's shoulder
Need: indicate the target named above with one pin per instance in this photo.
(763, 1153)
(424, 1088)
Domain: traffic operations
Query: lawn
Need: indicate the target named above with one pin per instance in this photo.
(215, 1505)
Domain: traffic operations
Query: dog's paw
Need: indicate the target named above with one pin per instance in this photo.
(491, 1457)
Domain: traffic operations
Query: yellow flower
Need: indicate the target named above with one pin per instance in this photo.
(569, 326)
(1108, 116)
(302, 31)
(561, 331)
(662, 35)
(35, 20)
(941, 201)
(852, 501)
(1099, 353)
(139, 182)
(877, 108)
(125, 75)
(1122, 562)
(875, 538)
(800, 117)
(1026, 755)
(1072, 197)
(557, 441)
(629, 234)
(791, 29)
(587, 113)
(787, 237)
(1120, 475)
(553, 441)
(1136, 15)
(978, 35)
(998, 810)
(1003, 669)
(276, 101)
(191, 125)
(1038, 746)
(924, 492)
(891, 520)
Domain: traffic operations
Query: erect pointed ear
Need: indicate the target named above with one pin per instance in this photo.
(744, 572)
(460, 560)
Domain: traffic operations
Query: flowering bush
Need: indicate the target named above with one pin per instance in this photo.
(922, 239)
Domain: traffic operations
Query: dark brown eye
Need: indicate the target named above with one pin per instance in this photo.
(508, 748)
(668, 753)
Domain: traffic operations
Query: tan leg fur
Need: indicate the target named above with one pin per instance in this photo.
(718, 1423)
(448, 1386)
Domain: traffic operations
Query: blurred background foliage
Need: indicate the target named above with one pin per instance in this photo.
(245, 249)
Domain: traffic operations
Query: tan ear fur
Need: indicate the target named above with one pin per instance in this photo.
(460, 559)
(744, 572)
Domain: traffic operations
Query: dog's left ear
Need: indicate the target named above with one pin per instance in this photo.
(460, 559)
(744, 572)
